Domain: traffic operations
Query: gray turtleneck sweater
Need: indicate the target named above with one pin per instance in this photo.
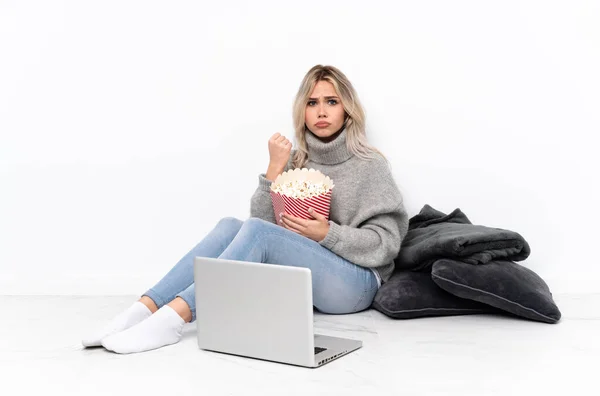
(367, 218)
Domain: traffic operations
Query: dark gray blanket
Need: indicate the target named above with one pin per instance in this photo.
(433, 235)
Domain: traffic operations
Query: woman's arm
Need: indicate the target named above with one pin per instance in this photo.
(261, 205)
(375, 243)
(379, 223)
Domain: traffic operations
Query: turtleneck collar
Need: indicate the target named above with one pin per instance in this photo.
(327, 153)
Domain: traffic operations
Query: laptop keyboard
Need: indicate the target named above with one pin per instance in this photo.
(319, 350)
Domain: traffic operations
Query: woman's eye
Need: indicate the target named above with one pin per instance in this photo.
(331, 102)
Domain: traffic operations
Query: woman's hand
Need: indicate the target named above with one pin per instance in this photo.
(316, 229)
(279, 151)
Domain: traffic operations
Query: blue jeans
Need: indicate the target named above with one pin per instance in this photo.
(339, 286)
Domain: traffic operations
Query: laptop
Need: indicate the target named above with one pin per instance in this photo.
(261, 311)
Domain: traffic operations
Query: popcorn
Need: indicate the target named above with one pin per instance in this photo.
(301, 188)
(295, 191)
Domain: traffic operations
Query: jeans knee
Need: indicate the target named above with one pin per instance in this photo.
(255, 222)
(230, 222)
(252, 228)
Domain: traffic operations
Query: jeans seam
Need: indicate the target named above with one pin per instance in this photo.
(360, 300)
(364, 294)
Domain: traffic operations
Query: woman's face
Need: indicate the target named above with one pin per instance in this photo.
(324, 111)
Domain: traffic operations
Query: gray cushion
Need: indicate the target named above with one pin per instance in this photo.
(501, 284)
(409, 295)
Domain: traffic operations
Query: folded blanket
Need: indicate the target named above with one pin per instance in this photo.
(433, 235)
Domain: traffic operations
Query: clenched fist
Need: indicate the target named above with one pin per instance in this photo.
(279, 151)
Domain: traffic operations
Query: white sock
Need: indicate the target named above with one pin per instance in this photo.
(131, 316)
(164, 327)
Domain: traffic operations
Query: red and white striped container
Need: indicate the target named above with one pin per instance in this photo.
(298, 207)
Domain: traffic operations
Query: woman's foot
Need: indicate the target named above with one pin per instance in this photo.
(130, 317)
(161, 329)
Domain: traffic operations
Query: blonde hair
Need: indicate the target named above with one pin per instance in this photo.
(356, 139)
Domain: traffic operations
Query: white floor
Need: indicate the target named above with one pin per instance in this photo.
(40, 353)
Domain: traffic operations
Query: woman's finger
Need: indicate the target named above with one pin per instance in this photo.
(290, 226)
(297, 222)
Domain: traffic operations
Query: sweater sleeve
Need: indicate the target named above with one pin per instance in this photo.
(261, 205)
(382, 223)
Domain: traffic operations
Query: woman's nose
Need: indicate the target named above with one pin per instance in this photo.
(322, 111)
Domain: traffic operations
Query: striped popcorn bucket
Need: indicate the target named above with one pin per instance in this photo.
(298, 207)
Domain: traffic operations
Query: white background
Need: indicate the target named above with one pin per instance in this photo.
(129, 128)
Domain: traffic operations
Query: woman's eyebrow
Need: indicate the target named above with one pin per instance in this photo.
(326, 97)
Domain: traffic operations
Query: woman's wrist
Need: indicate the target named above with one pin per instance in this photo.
(273, 171)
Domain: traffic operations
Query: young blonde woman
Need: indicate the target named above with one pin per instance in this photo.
(350, 255)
